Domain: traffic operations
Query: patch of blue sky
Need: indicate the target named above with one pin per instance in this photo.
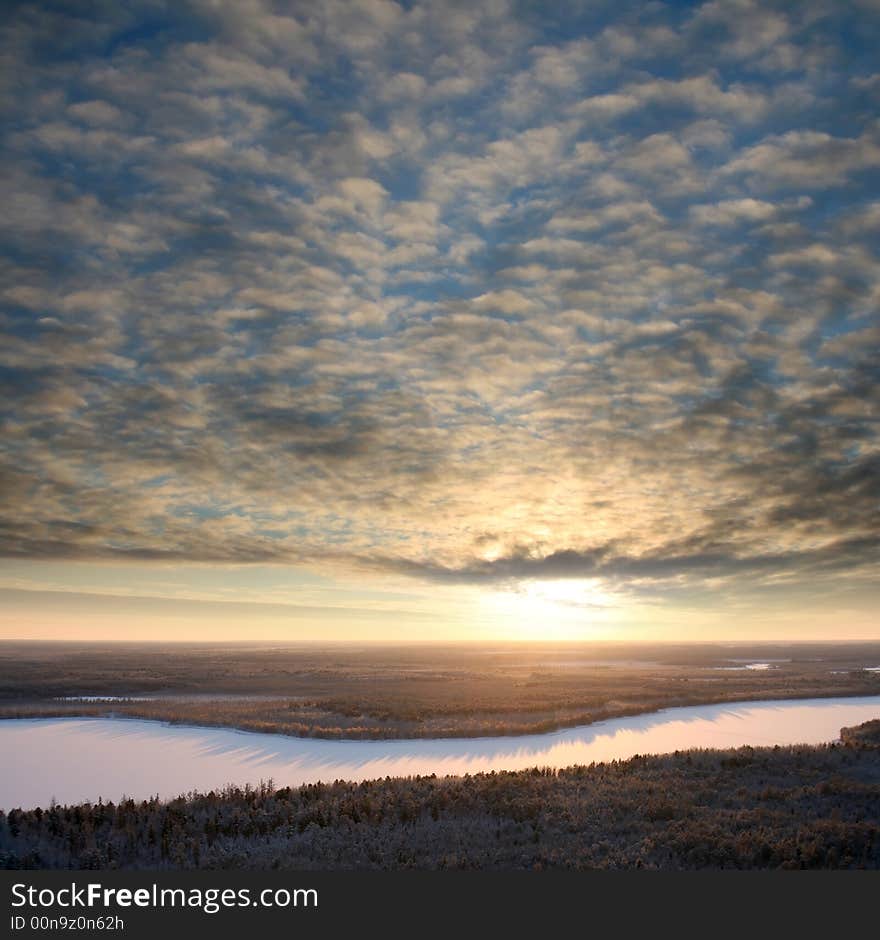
(277, 534)
(202, 512)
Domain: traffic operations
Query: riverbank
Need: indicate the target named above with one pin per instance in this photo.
(797, 807)
(417, 692)
(291, 719)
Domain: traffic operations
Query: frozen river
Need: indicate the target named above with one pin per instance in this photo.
(78, 759)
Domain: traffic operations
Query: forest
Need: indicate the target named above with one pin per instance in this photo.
(791, 808)
(419, 691)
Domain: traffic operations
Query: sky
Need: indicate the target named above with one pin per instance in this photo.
(376, 320)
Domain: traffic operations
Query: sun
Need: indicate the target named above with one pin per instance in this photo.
(568, 609)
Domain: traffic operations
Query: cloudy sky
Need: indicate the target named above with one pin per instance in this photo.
(385, 320)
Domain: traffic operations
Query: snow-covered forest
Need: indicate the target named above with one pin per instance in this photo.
(802, 807)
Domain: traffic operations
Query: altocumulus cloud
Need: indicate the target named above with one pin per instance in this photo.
(466, 292)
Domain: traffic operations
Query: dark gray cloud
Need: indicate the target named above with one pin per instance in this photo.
(701, 561)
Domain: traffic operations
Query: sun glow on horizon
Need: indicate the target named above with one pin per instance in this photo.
(569, 609)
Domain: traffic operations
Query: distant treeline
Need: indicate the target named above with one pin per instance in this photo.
(801, 807)
(383, 720)
(414, 692)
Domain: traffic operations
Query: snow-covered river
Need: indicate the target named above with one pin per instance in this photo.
(78, 759)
